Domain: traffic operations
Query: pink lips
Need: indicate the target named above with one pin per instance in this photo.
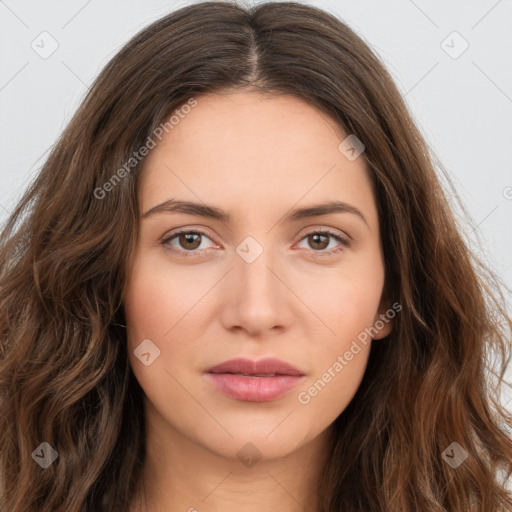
(260, 381)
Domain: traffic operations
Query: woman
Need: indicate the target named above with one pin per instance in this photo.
(238, 286)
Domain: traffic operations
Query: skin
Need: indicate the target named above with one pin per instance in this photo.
(256, 157)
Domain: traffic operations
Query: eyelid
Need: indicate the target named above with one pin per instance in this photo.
(324, 229)
(342, 237)
(345, 240)
(166, 239)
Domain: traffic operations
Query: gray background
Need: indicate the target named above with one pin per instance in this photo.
(461, 103)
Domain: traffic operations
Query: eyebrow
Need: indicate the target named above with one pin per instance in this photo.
(203, 210)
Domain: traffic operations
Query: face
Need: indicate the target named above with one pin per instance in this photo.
(272, 278)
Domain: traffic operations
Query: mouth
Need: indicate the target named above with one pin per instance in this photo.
(254, 381)
(248, 375)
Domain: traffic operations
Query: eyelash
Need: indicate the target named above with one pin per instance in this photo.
(344, 243)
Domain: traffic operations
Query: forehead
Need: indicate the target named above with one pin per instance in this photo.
(254, 151)
(249, 125)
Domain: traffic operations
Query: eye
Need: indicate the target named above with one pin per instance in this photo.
(319, 240)
(189, 241)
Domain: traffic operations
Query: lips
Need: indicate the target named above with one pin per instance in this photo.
(262, 368)
(254, 381)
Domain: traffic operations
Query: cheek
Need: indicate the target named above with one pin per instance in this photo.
(153, 306)
(150, 305)
(340, 359)
(158, 298)
(166, 307)
(347, 306)
(347, 301)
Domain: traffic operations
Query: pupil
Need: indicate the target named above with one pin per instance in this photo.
(315, 238)
(189, 238)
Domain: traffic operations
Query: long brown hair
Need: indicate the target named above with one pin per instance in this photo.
(65, 379)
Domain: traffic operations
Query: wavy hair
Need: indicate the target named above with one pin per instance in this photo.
(65, 377)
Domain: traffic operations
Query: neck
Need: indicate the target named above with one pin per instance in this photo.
(181, 474)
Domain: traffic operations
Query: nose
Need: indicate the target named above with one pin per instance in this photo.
(257, 296)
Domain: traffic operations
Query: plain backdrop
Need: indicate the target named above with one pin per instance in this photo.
(452, 61)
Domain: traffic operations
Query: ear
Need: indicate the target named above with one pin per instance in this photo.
(383, 321)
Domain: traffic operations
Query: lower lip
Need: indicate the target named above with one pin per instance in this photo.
(254, 389)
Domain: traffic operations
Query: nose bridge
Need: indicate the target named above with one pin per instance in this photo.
(257, 293)
(255, 259)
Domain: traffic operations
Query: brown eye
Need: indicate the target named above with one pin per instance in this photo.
(186, 242)
(189, 240)
(318, 241)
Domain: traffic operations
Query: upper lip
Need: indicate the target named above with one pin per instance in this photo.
(265, 366)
